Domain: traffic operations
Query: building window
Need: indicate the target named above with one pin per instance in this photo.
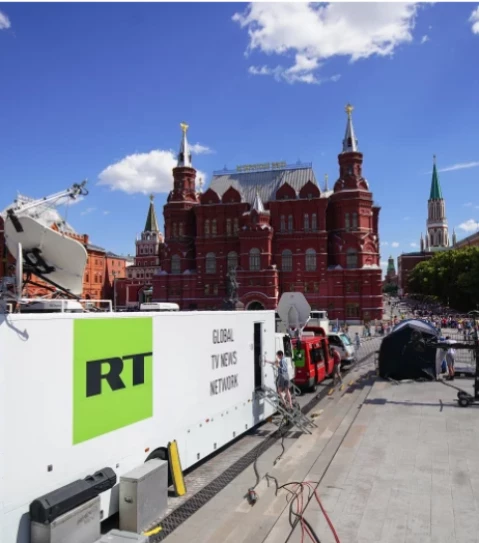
(182, 229)
(352, 258)
(215, 290)
(306, 222)
(175, 230)
(175, 264)
(354, 220)
(310, 260)
(314, 222)
(87, 278)
(235, 226)
(316, 287)
(287, 261)
(255, 260)
(207, 228)
(207, 290)
(228, 227)
(210, 263)
(282, 223)
(346, 221)
(352, 310)
(213, 227)
(290, 223)
(232, 260)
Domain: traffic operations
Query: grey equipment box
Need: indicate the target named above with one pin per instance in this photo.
(116, 536)
(143, 495)
(80, 525)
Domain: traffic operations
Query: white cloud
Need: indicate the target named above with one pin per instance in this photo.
(469, 226)
(88, 210)
(474, 19)
(4, 21)
(106, 213)
(198, 149)
(413, 244)
(314, 32)
(424, 39)
(142, 173)
(384, 263)
(468, 204)
(384, 243)
(394, 244)
(460, 166)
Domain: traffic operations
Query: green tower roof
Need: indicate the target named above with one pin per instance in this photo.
(151, 224)
(436, 193)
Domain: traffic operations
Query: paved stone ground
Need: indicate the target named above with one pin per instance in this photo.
(396, 464)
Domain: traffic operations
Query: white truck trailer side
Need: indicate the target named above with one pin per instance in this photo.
(84, 391)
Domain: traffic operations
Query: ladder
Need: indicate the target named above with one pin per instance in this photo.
(294, 416)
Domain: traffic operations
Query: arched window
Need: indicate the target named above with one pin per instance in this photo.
(232, 260)
(282, 224)
(346, 221)
(235, 226)
(306, 222)
(182, 229)
(207, 228)
(310, 260)
(228, 227)
(213, 227)
(287, 261)
(354, 220)
(175, 264)
(175, 230)
(314, 222)
(290, 223)
(210, 266)
(352, 258)
(255, 260)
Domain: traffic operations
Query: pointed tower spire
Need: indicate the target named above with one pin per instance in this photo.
(184, 156)
(350, 143)
(326, 188)
(151, 224)
(436, 192)
(258, 203)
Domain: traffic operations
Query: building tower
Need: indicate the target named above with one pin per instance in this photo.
(180, 226)
(437, 236)
(391, 269)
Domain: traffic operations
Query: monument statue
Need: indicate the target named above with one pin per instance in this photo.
(231, 301)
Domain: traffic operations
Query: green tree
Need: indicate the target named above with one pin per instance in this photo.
(450, 276)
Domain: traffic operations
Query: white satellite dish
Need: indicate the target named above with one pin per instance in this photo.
(57, 258)
(294, 310)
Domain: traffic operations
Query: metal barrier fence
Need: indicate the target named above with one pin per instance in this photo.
(464, 357)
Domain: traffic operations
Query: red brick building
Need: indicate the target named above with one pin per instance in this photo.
(276, 227)
(101, 271)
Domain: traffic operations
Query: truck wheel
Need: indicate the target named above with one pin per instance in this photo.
(161, 454)
(464, 402)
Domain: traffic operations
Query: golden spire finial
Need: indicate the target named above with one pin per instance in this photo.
(184, 127)
(152, 197)
(349, 109)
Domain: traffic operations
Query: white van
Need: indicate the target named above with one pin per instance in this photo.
(341, 343)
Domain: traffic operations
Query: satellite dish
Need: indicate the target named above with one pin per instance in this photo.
(49, 254)
(294, 310)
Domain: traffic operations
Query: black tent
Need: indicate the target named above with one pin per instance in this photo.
(404, 354)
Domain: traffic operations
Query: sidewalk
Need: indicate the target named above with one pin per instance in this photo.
(396, 464)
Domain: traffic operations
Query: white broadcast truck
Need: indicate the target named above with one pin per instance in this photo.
(81, 391)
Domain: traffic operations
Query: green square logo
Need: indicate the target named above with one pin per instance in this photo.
(112, 375)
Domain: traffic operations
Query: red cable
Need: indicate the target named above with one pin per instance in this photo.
(326, 516)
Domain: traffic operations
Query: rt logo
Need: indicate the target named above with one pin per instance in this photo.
(110, 370)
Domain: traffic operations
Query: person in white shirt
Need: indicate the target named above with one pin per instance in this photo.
(450, 357)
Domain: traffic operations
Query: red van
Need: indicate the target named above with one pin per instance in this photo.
(312, 360)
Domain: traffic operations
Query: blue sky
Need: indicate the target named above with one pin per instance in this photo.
(98, 91)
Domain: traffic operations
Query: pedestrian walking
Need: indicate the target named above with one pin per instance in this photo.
(337, 367)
